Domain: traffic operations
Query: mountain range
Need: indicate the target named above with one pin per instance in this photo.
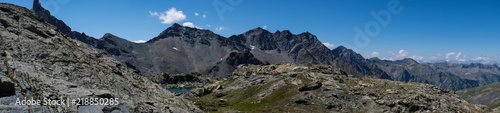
(180, 49)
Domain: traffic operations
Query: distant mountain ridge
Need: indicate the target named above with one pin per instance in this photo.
(446, 75)
(180, 49)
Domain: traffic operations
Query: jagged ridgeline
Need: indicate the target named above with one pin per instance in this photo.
(40, 61)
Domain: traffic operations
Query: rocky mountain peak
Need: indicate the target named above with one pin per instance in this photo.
(257, 31)
(347, 54)
(175, 25)
(45, 14)
(408, 61)
(108, 35)
(113, 39)
(177, 30)
(37, 6)
(341, 48)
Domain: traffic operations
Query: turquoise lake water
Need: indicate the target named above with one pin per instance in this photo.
(180, 90)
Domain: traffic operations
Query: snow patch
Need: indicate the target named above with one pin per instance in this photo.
(175, 49)
(252, 47)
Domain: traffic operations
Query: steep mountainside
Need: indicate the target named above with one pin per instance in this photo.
(40, 61)
(355, 63)
(321, 88)
(488, 95)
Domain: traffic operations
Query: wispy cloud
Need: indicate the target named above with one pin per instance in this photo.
(220, 28)
(418, 58)
(480, 58)
(448, 55)
(374, 54)
(326, 44)
(196, 14)
(169, 16)
(264, 27)
(402, 53)
(204, 16)
(153, 13)
(461, 59)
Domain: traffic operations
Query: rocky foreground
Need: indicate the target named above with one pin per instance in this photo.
(39, 61)
(321, 88)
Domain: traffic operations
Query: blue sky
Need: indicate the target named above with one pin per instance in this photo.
(426, 30)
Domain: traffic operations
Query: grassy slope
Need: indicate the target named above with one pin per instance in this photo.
(488, 95)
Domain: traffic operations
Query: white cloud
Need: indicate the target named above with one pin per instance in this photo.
(208, 25)
(204, 16)
(153, 13)
(196, 14)
(265, 27)
(460, 59)
(480, 58)
(458, 55)
(448, 55)
(169, 16)
(220, 28)
(189, 24)
(374, 54)
(328, 45)
(418, 58)
(402, 53)
(139, 41)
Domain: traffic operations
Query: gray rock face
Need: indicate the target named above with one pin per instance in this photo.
(40, 61)
(277, 88)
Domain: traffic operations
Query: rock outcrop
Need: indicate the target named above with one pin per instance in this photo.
(190, 80)
(323, 88)
(39, 61)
